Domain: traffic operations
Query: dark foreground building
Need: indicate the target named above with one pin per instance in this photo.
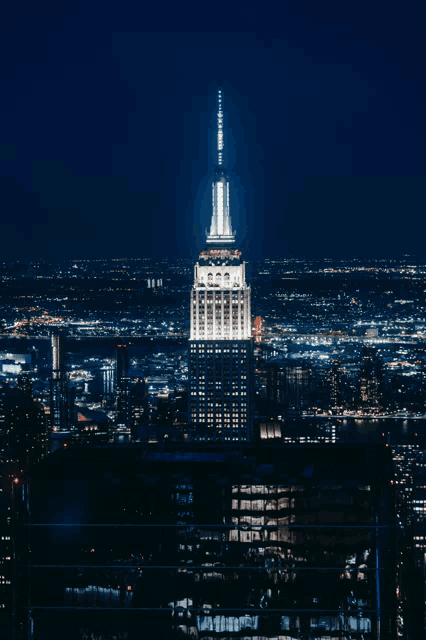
(208, 541)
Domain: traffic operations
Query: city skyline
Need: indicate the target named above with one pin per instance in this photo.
(204, 434)
(336, 385)
(99, 142)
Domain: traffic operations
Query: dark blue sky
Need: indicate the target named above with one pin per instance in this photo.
(107, 141)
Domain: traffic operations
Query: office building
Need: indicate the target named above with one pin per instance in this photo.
(208, 541)
(371, 380)
(60, 406)
(108, 382)
(123, 412)
(139, 402)
(288, 386)
(335, 380)
(220, 345)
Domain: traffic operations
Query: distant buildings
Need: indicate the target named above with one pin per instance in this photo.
(154, 283)
(335, 378)
(123, 411)
(371, 379)
(138, 403)
(173, 537)
(285, 386)
(15, 362)
(296, 382)
(108, 382)
(23, 421)
(61, 405)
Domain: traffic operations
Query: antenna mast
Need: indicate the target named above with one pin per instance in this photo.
(220, 127)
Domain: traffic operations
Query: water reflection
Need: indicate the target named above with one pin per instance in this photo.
(375, 429)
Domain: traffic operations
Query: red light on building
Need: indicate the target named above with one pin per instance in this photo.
(258, 329)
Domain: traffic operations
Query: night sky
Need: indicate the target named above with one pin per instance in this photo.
(107, 139)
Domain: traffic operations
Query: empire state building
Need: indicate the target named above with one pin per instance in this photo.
(220, 344)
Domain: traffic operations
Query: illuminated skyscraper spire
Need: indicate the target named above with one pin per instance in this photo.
(219, 129)
(220, 359)
(220, 229)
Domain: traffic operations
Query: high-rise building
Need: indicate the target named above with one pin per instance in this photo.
(59, 396)
(335, 380)
(297, 387)
(204, 541)
(288, 386)
(138, 402)
(107, 380)
(220, 337)
(371, 379)
(123, 386)
(25, 434)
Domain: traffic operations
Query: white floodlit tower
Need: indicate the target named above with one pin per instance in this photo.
(220, 338)
(220, 228)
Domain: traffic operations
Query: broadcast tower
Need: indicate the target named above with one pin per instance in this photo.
(220, 362)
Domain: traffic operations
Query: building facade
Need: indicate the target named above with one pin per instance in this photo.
(208, 541)
(371, 380)
(60, 408)
(123, 413)
(220, 342)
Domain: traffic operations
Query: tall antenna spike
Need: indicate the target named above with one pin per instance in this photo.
(220, 229)
(220, 126)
